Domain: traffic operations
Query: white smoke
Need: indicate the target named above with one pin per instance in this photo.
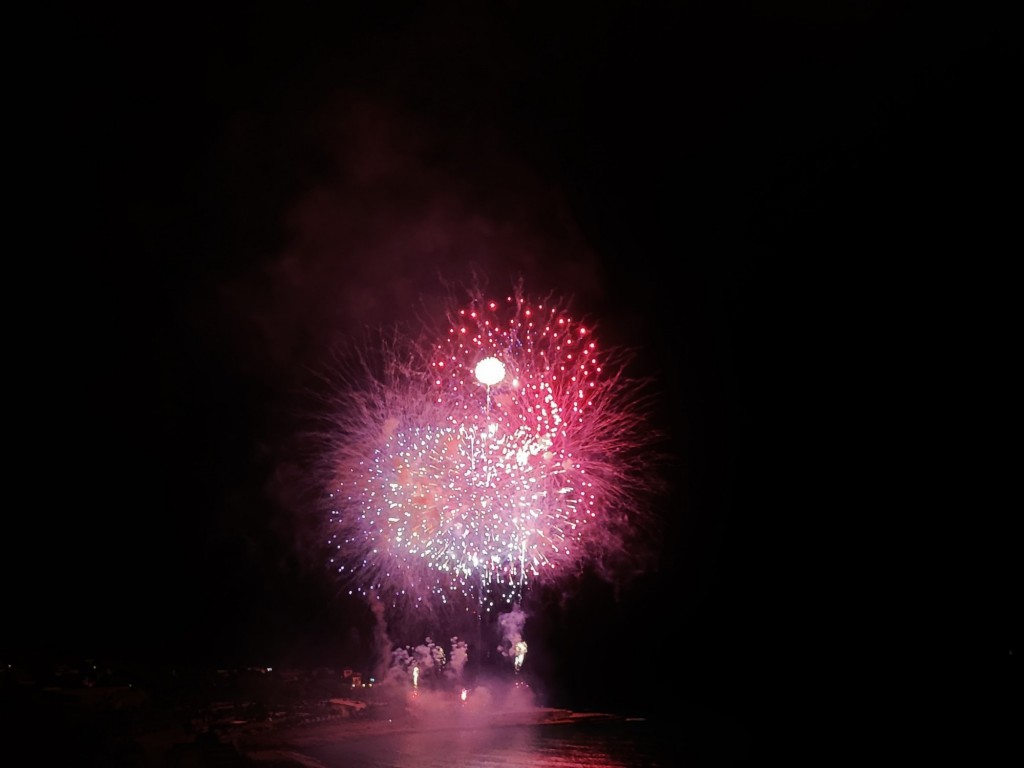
(512, 645)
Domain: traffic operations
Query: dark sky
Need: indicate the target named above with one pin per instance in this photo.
(760, 198)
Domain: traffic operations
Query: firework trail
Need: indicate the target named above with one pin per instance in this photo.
(503, 449)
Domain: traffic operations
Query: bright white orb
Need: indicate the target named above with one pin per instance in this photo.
(490, 371)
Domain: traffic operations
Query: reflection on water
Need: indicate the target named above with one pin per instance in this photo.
(603, 744)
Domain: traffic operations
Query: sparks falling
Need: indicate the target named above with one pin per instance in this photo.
(503, 450)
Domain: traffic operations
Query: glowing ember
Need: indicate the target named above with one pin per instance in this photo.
(490, 371)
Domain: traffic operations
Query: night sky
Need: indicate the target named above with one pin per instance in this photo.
(756, 197)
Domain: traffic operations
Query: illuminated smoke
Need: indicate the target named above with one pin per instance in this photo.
(513, 644)
(520, 654)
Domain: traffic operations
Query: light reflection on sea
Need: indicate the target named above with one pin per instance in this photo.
(604, 743)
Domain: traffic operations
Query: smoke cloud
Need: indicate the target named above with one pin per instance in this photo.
(400, 209)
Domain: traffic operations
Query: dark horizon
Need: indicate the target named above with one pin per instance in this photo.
(751, 198)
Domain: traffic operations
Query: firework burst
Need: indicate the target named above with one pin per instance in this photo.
(505, 448)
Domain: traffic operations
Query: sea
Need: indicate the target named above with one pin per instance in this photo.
(582, 741)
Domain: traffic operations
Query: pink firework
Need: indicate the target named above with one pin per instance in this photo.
(509, 448)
